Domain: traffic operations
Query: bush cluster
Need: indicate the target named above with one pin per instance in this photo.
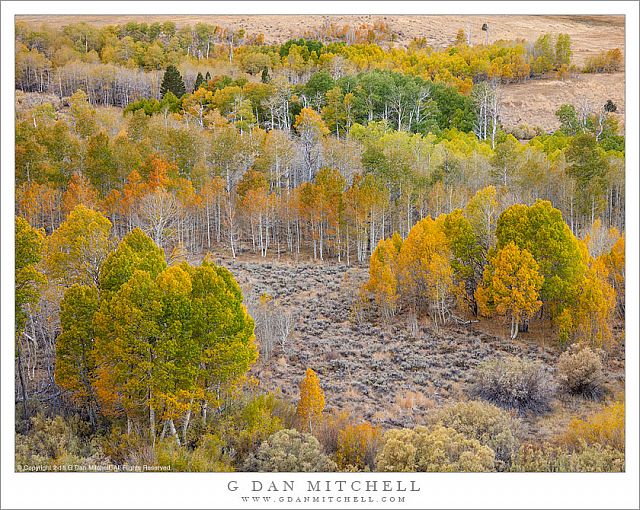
(605, 428)
(580, 372)
(290, 451)
(55, 442)
(514, 383)
(488, 424)
(548, 458)
(439, 449)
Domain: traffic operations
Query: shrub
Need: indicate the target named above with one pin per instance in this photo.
(580, 372)
(439, 449)
(208, 456)
(56, 442)
(290, 451)
(605, 428)
(357, 447)
(524, 131)
(606, 61)
(547, 458)
(490, 425)
(244, 428)
(514, 383)
(328, 430)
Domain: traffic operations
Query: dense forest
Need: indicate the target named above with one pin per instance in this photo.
(150, 157)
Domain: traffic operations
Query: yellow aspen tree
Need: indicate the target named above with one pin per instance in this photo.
(383, 278)
(511, 286)
(614, 261)
(593, 314)
(311, 403)
(425, 273)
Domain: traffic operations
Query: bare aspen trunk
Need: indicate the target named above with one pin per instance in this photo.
(185, 425)
(174, 432)
(152, 424)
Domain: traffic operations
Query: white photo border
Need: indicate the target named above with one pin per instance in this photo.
(210, 490)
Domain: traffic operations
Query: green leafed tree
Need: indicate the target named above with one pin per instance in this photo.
(135, 251)
(541, 230)
(77, 248)
(75, 364)
(29, 280)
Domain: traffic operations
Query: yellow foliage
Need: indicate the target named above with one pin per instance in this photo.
(615, 262)
(357, 446)
(605, 428)
(383, 280)
(311, 403)
(425, 269)
(511, 286)
(593, 314)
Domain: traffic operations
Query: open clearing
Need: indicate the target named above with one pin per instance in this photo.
(589, 34)
(378, 371)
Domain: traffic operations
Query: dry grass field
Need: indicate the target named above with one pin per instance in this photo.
(589, 34)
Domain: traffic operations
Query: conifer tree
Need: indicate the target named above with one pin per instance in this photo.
(172, 82)
(199, 82)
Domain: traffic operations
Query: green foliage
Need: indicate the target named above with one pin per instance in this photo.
(568, 118)
(75, 364)
(541, 230)
(172, 82)
(136, 251)
(290, 451)
(588, 166)
(199, 82)
(29, 279)
(306, 45)
(439, 449)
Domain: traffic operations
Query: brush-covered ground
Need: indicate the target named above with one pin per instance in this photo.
(379, 371)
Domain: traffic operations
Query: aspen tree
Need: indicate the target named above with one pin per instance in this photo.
(311, 403)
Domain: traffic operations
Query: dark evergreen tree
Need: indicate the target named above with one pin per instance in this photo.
(265, 75)
(199, 82)
(610, 106)
(172, 82)
(207, 76)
